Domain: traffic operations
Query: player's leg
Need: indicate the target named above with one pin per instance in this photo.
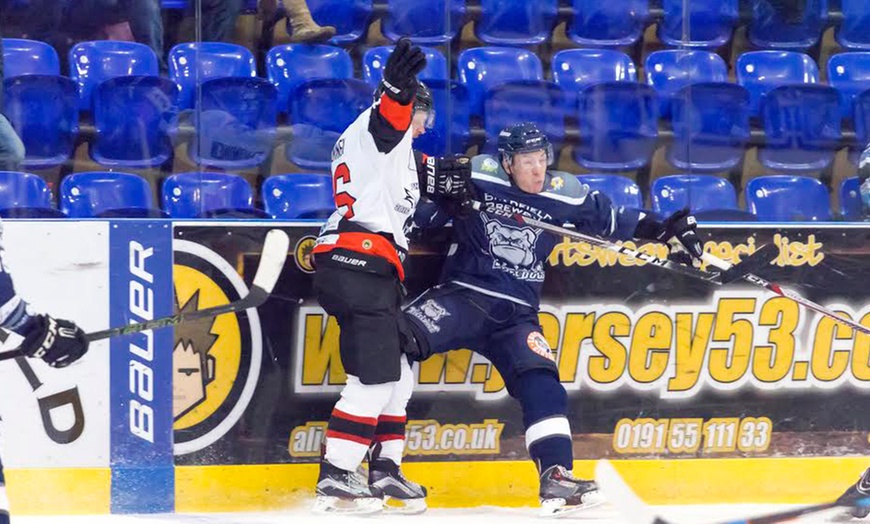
(4, 500)
(858, 491)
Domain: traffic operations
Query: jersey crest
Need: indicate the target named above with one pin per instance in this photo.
(513, 249)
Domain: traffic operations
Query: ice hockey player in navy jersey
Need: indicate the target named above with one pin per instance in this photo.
(58, 342)
(490, 289)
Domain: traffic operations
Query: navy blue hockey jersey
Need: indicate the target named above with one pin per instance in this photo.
(502, 258)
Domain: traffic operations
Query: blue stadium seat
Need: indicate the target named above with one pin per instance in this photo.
(710, 23)
(525, 101)
(516, 22)
(134, 116)
(288, 66)
(801, 127)
(44, 110)
(29, 57)
(198, 194)
(850, 199)
(862, 118)
(174, 4)
(784, 198)
(618, 126)
(25, 195)
(854, 32)
(236, 123)
(611, 23)
(761, 71)
(105, 194)
(671, 70)
(424, 21)
(849, 73)
(320, 110)
(576, 69)
(298, 196)
(711, 127)
(621, 190)
(197, 62)
(482, 68)
(451, 131)
(375, 59)
(349, 17)
(700, 193)
(770, 29)
(92, 63)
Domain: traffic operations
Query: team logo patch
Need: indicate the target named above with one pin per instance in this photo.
(489, 165)
(367, 244)
(429, 313)
(538, 344)
(215, 361)
(302, 254)
(557, 182)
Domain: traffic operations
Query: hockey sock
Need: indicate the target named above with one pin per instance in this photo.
(354, 418)
(391, 424)
(548, 433)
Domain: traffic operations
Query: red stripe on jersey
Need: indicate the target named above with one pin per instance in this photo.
(367, 244)
(368, 421)
(347, 436)
(391, 418)
(396, 114)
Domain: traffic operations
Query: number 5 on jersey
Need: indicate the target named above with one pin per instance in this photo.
(342, 197)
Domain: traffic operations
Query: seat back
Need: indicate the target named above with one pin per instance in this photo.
(192, 63)
(301, 195)
(785, 198)
(92, 63)
(482, 68)
(29, 57)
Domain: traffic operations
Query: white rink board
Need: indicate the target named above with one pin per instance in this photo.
(61, 268)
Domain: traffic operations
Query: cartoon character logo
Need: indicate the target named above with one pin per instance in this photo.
(557, 183)
(434, 310)
(193, 367)
(513, 245)
(302, 253)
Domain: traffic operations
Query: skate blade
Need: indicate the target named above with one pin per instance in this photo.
(393, 506)
(556, 508)
(335, 505)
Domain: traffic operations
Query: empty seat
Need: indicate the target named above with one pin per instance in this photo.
(612, 23)
(29, 57)
(761, 71)
(618, 126)
(849, 73)
(775, 28)
(671, 70)
(451, 131)
(44, 110)
(134, 116)
(801, 126)
(862, 118)
(482, 68)
(525, 101)
(104, 194)
(193, 63)
(784, 198)
(711, 127)
(349, 17)
(92, 63)
(193, 195)
(850, 199)
(516, 22)
(700, 193)
(576, 69)
(25, 195)
(430, 22)
(854, 32)
(375, 59)
(708, 23)
(621, 190)
(320, 110)
(235, 123)
(298, 196)
(290, 65)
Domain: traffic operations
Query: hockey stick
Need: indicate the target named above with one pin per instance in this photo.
(272, 260)
(758, 281)
(622, 496)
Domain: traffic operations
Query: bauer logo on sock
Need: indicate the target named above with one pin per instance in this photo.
(539, 345)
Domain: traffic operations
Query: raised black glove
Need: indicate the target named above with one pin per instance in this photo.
(445, 179)
(400, 72)
(681, 226)
(58, 342)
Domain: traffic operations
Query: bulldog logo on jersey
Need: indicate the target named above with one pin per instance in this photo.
(513, 249)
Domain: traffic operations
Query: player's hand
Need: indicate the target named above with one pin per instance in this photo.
(682, 227)
(448, 179)
(57, 342)
(400, 72)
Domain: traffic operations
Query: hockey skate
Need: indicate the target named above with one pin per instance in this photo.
(399, 494)
(562, 493)
(856, 492)
(341, 491)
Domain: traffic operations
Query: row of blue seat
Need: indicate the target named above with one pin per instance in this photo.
(298, 196)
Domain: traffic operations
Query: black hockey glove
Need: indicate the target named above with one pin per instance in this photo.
(680, 226)
(400, 73)
(446, 179)
(57, 342)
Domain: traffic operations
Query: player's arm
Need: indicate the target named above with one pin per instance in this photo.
(392, 112)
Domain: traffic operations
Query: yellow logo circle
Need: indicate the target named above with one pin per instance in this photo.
(302, 254)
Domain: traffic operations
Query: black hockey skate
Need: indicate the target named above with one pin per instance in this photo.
(399, 494)
(858, 495)
(341, 491)
(561, 492)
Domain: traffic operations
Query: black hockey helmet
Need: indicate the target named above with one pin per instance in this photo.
(423, 101)
(523, 138)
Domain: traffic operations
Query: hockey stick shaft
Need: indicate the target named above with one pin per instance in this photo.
(274, 254)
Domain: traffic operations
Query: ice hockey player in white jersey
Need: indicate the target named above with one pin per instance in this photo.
(377, 181)
(58, 342)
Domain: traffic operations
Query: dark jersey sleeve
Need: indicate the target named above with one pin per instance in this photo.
(598, 216)
(389, 122)
(13, 310)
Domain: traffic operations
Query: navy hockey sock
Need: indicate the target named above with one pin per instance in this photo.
(548, 433)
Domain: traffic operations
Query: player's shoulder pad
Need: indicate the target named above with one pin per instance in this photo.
(566, 185)
(487, 167)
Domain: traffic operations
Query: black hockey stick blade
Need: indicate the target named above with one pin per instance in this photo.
(754, 263)
(275, 249)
